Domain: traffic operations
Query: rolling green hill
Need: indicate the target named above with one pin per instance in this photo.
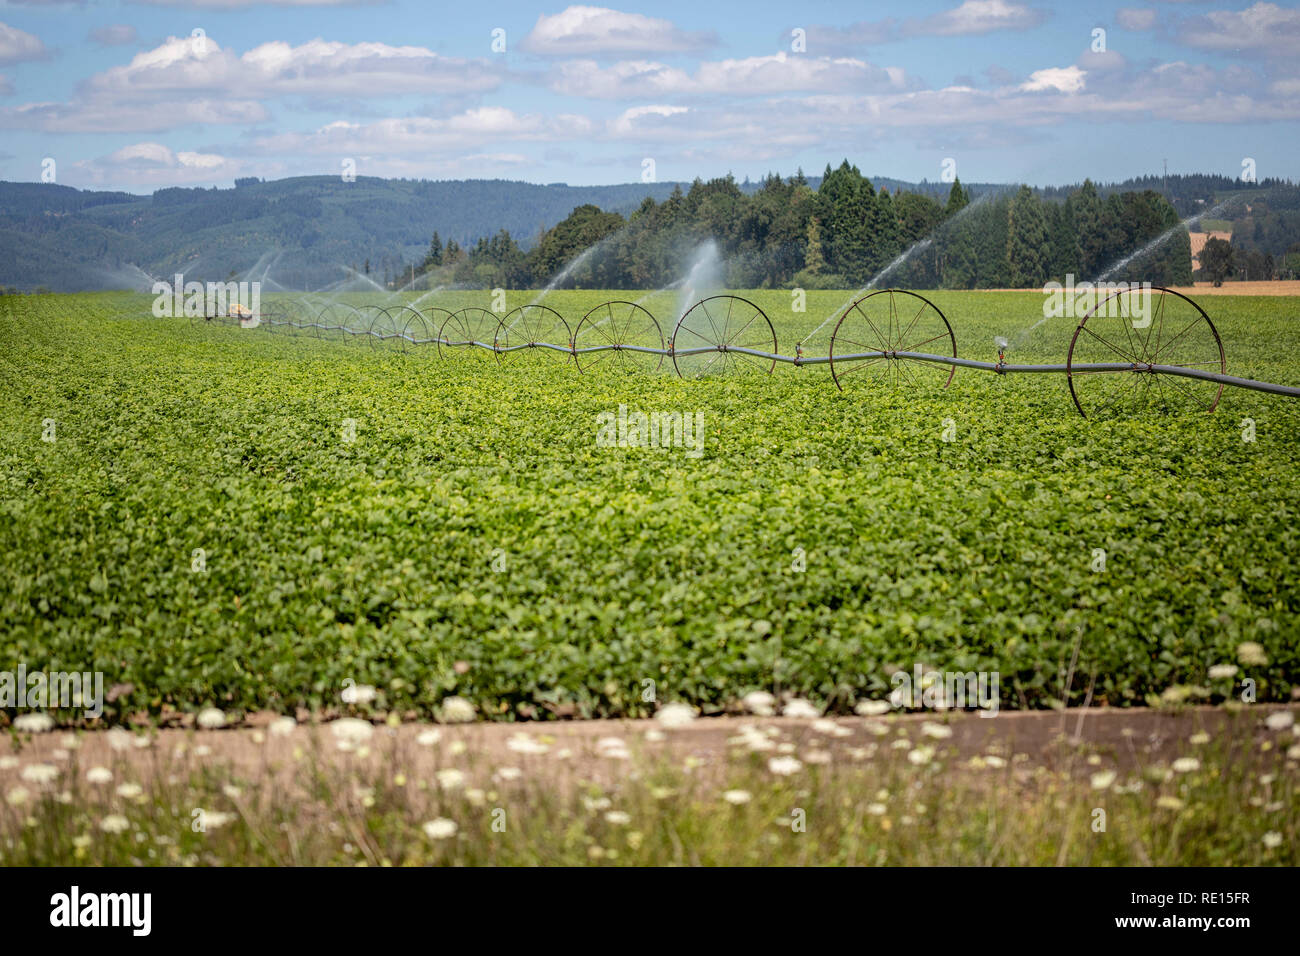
(312, 227)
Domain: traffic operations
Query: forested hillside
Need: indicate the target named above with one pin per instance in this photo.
(839, 229)
(843, 234)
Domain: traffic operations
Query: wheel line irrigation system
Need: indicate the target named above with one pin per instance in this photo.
(1115, 361)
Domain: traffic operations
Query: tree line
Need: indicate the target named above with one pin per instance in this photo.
(840, 235)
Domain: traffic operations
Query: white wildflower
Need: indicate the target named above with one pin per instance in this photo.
(526, 744)
(450, 778)
(784, 766)
(1252, 654)
(33, 723)
(358, 694)
(40, 774)
(350, 732)
(457, 710)
(440, 828)
(210, 718)
(1103, 779)
(675, 715)
(798, 707)
(1279, 720)
(920, 756)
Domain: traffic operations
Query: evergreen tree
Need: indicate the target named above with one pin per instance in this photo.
(813, 260)
(958, 199)
(846, 210)
(1091, 229)
(989, 224)
(886, 233)
(1027, 247)
(433, 258)
(1063, 242)
(918, 216)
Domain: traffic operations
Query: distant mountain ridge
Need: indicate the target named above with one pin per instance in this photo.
(302, 232)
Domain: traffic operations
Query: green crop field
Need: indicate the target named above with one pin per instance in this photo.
(243, 518)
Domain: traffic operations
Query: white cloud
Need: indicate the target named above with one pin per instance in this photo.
(751, 76)
(440, 136)
(972, 18)
(17, 46)
(591, 31)
(640, 118)
(975, 18)
(276, 68)
(94, 117)
(183, 82)
(979, 118)
(1264, 27)
(1131, 18)
(1107, 62)
(1063, 79)
(153, 164)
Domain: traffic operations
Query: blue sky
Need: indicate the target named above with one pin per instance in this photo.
(125, 95)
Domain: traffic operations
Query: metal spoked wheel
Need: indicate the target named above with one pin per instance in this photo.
(388, 327)
(271, 318)
(378, 325)
(336, 320)
(529, 327)
(422, 326)
(719, 334)
(871, 333)
(461, 330)
(301, 316)
(612, 327)
(1113, 366)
